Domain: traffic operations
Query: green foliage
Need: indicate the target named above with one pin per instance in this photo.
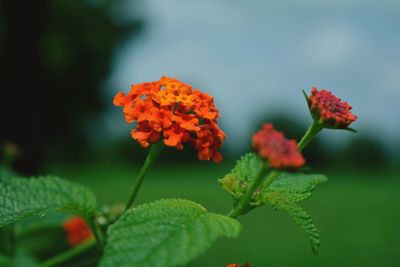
(296, 186)
(23, 258)
(247, 167)
(284, 194)
(6, 172)
(300, 216)
(22, 198)
(245, 170)
(4, 261)
(164, 233)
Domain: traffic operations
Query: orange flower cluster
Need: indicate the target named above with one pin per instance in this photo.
(330, 109)
(77, 231)
(176, 112)
(280, 152)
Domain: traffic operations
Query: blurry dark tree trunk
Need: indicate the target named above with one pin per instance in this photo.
(54, 56)
(22, 103)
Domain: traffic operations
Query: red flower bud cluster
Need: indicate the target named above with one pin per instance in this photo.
(176, 112)
(280, 152)
(77, 231)
(330, 109)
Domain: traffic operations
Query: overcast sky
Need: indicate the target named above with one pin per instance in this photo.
(256, 56)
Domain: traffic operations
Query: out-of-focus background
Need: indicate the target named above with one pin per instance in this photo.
(61, 63)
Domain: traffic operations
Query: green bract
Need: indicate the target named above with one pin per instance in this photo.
(164, 233)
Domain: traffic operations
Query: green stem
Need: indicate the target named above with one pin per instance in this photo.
(96, 231)
(154, 152)
(271, 177)
(69, 254)
(241, 207)
(312, 131)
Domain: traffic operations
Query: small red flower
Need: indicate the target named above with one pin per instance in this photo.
(329, 109)
(233, 265)
(280, 152)
(77, 231)
(174, 111)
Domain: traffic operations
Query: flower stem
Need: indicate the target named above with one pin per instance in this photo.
(312, 131)
(154, 152)
(271, 177)
(97, 232)
(241, 207)
(69, 254)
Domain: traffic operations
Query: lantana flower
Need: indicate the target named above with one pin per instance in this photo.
(281, 153)
(329, 110)
(173, 111)
(77, 231)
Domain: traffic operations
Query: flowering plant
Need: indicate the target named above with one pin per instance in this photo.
(170, 232)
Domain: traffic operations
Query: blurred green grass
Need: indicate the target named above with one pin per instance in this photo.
(356, 212)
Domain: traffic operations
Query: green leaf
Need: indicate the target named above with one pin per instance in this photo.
(245, 170)
(164, 233)
(289, 189)
(296, 186)
(300, 216)
(247, 167)
(283, 194)
(22, 198)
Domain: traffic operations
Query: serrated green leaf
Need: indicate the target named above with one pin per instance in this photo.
(21, 198)
(296, 186)
(246, 169)
(164, 233)
(289, 189)
(287, 202)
